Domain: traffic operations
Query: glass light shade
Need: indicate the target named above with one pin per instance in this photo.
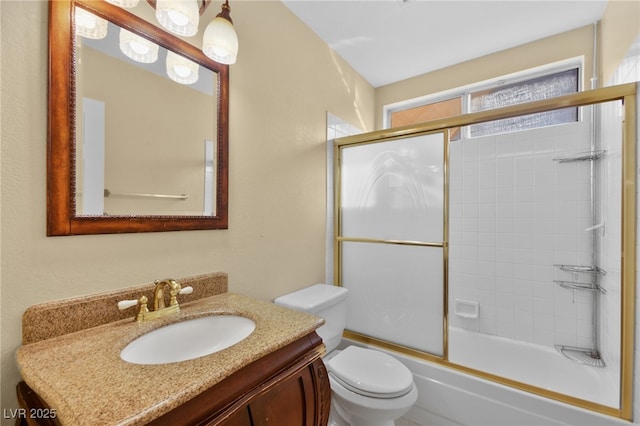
(220, 41)
(138, 48)
(181, 69)
(89, 25)
(125, 4)
(178, 16)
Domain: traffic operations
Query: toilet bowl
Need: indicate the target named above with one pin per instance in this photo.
(368, 387)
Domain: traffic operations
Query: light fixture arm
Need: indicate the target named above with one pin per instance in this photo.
(225, 12)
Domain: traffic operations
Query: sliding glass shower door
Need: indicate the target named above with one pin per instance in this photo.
(392, 239)
(510, 256)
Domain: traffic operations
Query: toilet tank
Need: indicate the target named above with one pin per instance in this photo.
(326, 301)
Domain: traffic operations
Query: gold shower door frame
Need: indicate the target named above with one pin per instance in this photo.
(626, 93)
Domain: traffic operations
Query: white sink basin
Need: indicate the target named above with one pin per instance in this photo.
(188, 339)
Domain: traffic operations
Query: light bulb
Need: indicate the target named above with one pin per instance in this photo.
(138, 48)
(89, 25)
(125, 4)
(179, 16)
(181, 69)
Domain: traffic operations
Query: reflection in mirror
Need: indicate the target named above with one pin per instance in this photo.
(138, 123)
(144, 141)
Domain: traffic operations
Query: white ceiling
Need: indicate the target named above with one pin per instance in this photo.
(391, 40)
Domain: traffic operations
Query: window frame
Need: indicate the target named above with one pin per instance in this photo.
(465, 92)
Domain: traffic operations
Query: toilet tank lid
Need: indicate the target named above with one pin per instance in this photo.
(314, 298)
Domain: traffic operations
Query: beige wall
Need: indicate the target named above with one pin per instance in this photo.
(276, 237)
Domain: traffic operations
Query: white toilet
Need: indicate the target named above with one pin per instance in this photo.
(368, 387)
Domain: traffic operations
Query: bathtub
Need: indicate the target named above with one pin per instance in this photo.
(537, 365)
(449, 397)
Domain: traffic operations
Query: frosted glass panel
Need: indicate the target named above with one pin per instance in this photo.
(544, 87)
(394, 190)
(396, 293)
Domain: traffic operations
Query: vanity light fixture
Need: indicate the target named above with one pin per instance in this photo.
(138, 48)
(89, 25)
(220, 41)
(180, 69)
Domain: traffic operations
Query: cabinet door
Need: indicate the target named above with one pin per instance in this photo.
(290, 402)
(238, 418)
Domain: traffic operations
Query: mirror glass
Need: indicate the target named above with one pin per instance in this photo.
(138, 125)
(145, 143)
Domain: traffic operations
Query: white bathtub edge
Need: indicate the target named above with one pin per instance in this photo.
(449, 398)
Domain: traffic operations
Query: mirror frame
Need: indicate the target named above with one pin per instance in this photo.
(61, 187)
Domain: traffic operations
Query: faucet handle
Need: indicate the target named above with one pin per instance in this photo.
(175, 292)
(126, 304)
(186, 290)
(142, 302)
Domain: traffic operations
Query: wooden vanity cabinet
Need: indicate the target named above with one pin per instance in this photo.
(288, 387)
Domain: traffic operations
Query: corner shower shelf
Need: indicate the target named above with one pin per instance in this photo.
(590, 357)
(582, 355)
(581, 156)
(581, 269)
(574, 285)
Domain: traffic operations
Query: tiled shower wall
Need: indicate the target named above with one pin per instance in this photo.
(336, 128)
(514, 214)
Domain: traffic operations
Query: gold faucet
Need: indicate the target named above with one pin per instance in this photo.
(159, 309)
(158, 294)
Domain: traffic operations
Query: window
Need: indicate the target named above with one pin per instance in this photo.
(428, 112)
(483, 96)
(536, 89)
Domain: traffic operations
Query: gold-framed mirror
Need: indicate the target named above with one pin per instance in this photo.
(132, 149)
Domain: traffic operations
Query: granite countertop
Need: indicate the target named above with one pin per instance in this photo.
(82, 376)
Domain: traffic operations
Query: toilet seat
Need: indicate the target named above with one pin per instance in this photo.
(370, 373)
